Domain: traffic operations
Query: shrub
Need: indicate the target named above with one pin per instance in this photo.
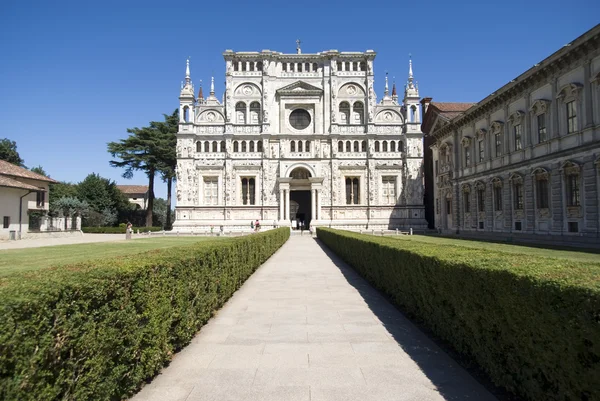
(531, 323)
(117, 230)
(98, 331)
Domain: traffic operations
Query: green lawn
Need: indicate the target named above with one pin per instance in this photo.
(18, 260)
(583, 255)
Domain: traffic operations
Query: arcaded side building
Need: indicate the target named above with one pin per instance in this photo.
(299, 138)
(523, 162)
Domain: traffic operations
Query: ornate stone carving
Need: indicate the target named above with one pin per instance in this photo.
(540, 106)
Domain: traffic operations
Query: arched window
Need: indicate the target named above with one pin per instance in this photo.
(222, 146)
(356, 146)
(348, 146)
(340, 146)
(358, 112)
(376, 146)
(392, 146)
(400, 146)
(240, 112)
(186, 114)
(385, 147)
(363, 66)
(364, 146)
(243, 66)
(292, 146)
(255, 113)
(307, 146)
(259, 147)
(251, 146)
(236, 147)
(344, 113)
(251, 66)
(300, 146)
(198, 146)
(214, 146)
(315, 67)
(413, 114)
(207, 146)
(244, 147)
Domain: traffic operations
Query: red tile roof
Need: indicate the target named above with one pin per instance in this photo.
(133, 189)
(10, 183)
(446, 107)
(12, 170)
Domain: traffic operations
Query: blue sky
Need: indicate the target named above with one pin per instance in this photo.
(74, 76)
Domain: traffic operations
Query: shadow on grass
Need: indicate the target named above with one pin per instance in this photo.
(455, 378)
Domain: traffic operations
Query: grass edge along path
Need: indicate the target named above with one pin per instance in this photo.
(93, 331)
(28, 259)
(530, 323)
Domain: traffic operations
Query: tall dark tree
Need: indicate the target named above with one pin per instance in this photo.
(141, 150)
(168, 132)
(8, 152)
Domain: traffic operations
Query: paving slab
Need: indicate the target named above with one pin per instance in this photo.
(306, 327)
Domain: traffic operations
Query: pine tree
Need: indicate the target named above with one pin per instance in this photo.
(141, 151)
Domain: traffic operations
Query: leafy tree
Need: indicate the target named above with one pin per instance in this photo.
(168, 130)
(69, 207)
(8, 152)
(140, 151)
(39, 170)
(61, 190)
(101, 193)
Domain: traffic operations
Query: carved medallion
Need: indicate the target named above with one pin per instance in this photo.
(247, 90)
(351, 90)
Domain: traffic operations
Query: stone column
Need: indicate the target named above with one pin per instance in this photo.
(287, 204)
(281, 205)
(318, 204)
(313, 204)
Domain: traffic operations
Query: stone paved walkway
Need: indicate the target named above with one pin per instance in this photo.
(306, 327)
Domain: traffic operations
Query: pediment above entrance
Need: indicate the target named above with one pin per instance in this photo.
(300, 88)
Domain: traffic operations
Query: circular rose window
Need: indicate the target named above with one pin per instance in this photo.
(300, 119)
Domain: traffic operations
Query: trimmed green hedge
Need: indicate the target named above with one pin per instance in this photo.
(97, 332)
(117, 230)
(533, 324)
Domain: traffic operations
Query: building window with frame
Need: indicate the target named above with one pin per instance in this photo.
(292, 146)
(340, 146)
(467, 201)
(481, 200)
(389, 190)
(344, 113)
(498, 198)
(571, 116)
(467, 156)
(352, 190)
(40, 198)
(518, 131)
(542, 192)
(518, 196)
(541, 128)
(481, 145)
(573, 192)
(211, 190)
(248, 191)
(240, 113)
(498, 142)
(6, 222)
(448, 206)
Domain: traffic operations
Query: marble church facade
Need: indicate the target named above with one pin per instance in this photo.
(299, 137)
(525, 161)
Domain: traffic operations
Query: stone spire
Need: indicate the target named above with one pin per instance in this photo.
(394, 89)
(212, 99)
(187, 89)
(187, 71)
(386, 92)
(298, 49)
(410, 73)
(200, 93)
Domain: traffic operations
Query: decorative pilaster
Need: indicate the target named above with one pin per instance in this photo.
(313, 203)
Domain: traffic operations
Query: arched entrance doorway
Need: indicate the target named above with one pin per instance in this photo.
(300, 202)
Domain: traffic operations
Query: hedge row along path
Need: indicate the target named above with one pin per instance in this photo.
(305, 326)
